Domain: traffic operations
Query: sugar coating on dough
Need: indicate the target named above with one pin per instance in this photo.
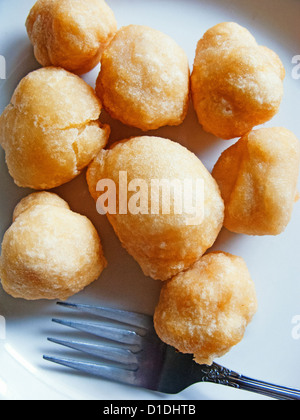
(144, 78)
(236, 84)
(50, 131)
(162, 244)
(258, 179)
(205, 310)
(49, 252)
(71, 34)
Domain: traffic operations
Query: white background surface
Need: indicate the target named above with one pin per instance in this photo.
(269, 351)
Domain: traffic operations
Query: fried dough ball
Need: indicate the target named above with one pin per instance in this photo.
(205, 310)
(144, 79)
(163, 240)
(51, 131)
(258, 180)
(49, 252)
(71, 34)
(236, 84)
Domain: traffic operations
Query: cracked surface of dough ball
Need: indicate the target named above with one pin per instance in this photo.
(236, 84)
(163, 241)
(258, 178)
(49, 252)
(144, 79)
(50, 131)
(71, 34)
(205, 310)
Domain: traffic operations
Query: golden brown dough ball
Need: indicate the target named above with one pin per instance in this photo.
(258, 180)
(236, 84)
(49, 252)
(71, 34)
(205, 310)
(42, 198)
(144, 79)
(163, 240)
(51, 131)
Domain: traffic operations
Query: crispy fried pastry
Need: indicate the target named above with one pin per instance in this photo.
(258, 180)
(144, 79)
(205, 310)
(51, 131)
(164, 241)
(71, 34)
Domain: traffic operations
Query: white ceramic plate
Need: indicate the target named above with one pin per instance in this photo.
(270, 350)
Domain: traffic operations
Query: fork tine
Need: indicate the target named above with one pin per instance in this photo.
(118, 335)
(125, 317)
(125, 376)
(113, 354)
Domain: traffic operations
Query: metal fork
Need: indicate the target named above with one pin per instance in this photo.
(133, 354)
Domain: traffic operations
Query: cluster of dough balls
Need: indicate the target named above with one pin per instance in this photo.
(163, 244)
(50, 131)
(205, 310)
(144, 80)
(236, 84)
(258, 178)
(71, 34)
(49, 252)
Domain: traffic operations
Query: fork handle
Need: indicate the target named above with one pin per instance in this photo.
(220, 375)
